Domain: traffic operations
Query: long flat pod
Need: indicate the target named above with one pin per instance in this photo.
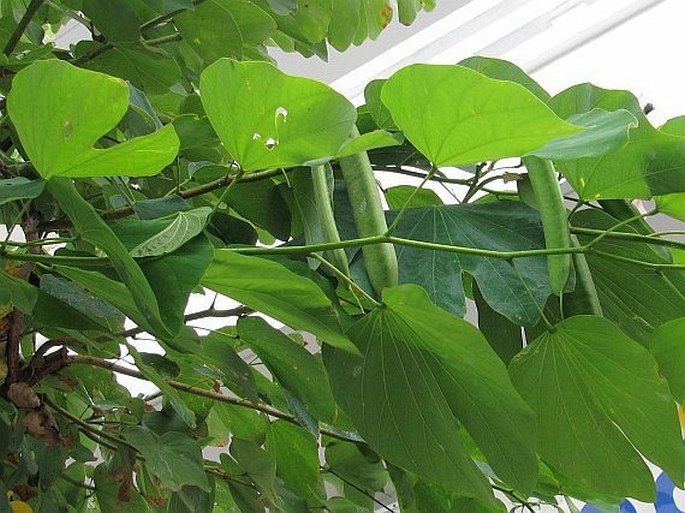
(554, 222)
(369, 217)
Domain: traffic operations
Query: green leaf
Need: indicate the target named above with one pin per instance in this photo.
(296, 455)
(598, 400)
(456, 116)
(184, 226)
(271, 288)
(500, 226)
(312, 19)
(149, 69)
(505, 70)
(636, 298)
(344, 22)
(399, 195)
(172, 276)
(224, 28)
(174, 458)
(258, 464)
(413, 385)
(417, 495)
(115, 19)
(236, 373)
(369, 141)
(407, 10)
(283, 6)
(263, 205)
(191, 499)
(604, 132)
(672, 205)
(171, 394)
(279, 120)
(357, 465)
(666, 344)
(111, 485)
(503, 335)
(90, 226)
(160, 207)
(295, 368)
(653, 162)
(13, 189)
(379, 112)
(59, 126)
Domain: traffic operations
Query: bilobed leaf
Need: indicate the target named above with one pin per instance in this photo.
(598, 400)
(183, 227)
(267, 119)
(224, 28)
(505, 70)
(174, 458)
(271, 288)
(651, 163)
(635, 297)
(423, 369)
(13, 189)
(61, 111)
(292, 365)
(500, 226)
(456, 116)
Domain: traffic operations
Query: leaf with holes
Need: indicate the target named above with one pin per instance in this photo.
(267, 119)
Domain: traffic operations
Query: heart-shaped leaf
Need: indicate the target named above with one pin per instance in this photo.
(267, 119)
(457, 116)
(61, 111)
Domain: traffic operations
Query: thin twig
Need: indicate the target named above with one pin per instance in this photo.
(30, 12)
(360, 490)
(183, 387)
(118, 213)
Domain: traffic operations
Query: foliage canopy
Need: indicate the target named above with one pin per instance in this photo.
(168, 156)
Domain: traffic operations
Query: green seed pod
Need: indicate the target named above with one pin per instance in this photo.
(324, 206)
(554, 222)
(369, 217)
